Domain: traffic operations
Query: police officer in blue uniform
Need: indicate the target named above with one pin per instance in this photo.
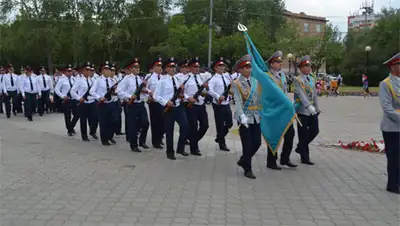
(389, 96)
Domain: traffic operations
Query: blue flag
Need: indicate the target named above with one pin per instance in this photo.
(277, 112)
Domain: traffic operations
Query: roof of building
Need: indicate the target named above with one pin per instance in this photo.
(302, 15)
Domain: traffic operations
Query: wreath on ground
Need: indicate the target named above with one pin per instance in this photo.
(371, 145)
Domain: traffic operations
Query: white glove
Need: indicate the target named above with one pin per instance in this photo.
(312, 110)
(244, 120)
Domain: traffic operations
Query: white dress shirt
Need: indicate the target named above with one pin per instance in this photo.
(127, 88)
(1, 84)
(217, 88)
(99, 88)
(153, 81)
(29, 84)
(45, 82)
(79, 89)
(10, 82)
(64, 86)
(181, 77)
(192, 86)
(165, 91)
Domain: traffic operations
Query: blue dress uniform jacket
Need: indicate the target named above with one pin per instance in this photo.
(241, 89)
(305, 94)
(389, 96)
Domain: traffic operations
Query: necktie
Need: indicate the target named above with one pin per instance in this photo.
(30, 80)
(87, 81)
(158, 77)
(197, 83)
(248, 82)
(223, 80)
(70, 83)
(174, 84)
(137, 85)
(107, 84)
(12, 80)
(44, 82)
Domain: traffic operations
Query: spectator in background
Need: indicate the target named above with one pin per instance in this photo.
(365, 85)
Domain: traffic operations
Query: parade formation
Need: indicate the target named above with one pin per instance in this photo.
(178, 91)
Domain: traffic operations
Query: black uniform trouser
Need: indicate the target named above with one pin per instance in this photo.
(106, 120)
(392, 147)
(1, 101)
(223, 121)
(137, 121)
(118, 123)
(29, 104)
(176, 114)
(69, 109)
(87, 114)
(11, 95)
(44, 102)
(307, 133)
(198, 125)
(157, 122)
(286, 148)
(56, 105)
(251, 142)
(18, 105)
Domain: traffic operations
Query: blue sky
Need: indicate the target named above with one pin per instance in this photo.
(336, 11)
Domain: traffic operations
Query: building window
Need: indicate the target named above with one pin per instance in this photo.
(318, 28)
(306, 28)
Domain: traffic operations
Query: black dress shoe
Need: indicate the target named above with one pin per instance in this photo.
(249, 174)
(8, 116)
(86, 139)
(94, 136)
(223, 147)
(273, 166)
(113, 141)
(70, 134)
(183, 153)
(172, 157)
(196, 153)
(14, 113)
(291, 165)
(240, 163)
(73, 131)
(106, 143)
(119, 134)
(395, 191)
(30, 119)
(144, 146)
(307, 162)
(157, 146)
(135, 149)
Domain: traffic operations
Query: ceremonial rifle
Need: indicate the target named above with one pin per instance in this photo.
(225, 93)
(138, 90)
(198, 93)
(86, 95)
(176, 95)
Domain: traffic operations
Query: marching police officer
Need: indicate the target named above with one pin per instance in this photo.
(275, 65)
(305, 96)
(2, 71)
(389, 96)
(166, 93)
(102, 91)
(196, 109)
(246, 113)
(10, 91)
(219, 88)
(68, 105)
(30, 91)
(86, 103)
(47, 87)
(131, 90)
(155, 108)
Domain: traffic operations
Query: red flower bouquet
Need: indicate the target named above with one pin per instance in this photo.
(370, 146)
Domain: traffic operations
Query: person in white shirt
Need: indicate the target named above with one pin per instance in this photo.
(30, 91)
(102, 91)
(168, 93)
(86, 103)
(2, 71)
(56, 105)
(10, 91)
(132, 91)
(69, 108)
(219, 88)
(196, 109)
(155, 108)
(116, 102)
(47, 88)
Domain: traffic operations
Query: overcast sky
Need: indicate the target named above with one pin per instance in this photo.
(336, 11)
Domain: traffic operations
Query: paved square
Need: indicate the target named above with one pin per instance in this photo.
(48, 179)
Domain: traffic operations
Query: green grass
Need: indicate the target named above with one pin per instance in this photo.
(356, 89)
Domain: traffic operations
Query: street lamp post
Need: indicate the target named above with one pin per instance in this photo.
(290, 56)
(367, 50)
